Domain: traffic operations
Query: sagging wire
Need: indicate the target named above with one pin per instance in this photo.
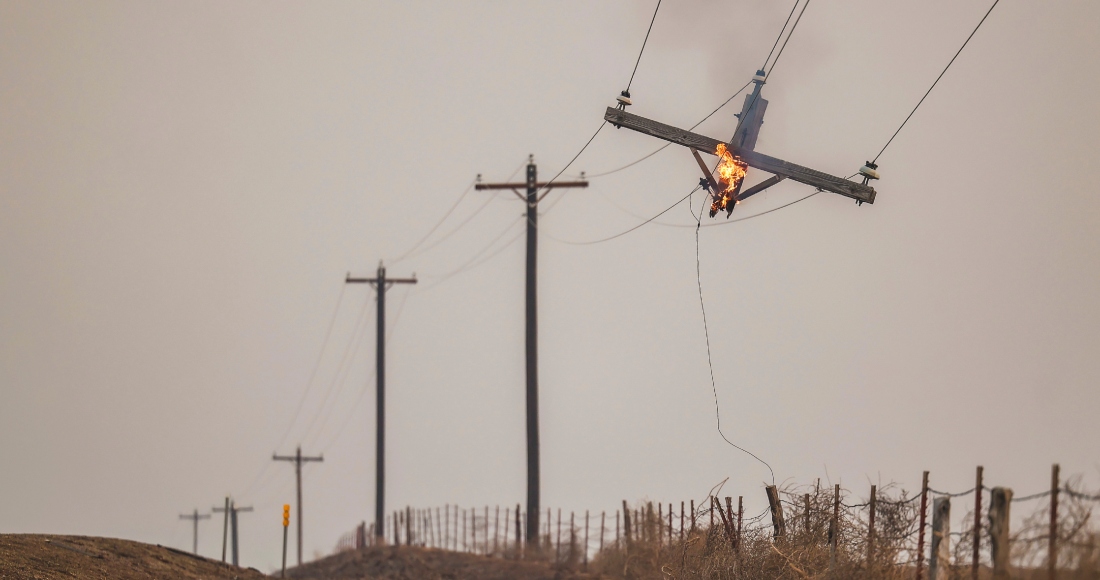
(710, 362)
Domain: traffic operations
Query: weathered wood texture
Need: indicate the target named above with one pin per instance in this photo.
(939, 567)
(999, 503)
(778, 525)
(753, 159)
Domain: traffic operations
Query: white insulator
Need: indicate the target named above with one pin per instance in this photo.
(758, 79)
(868, 172)
(623, 100)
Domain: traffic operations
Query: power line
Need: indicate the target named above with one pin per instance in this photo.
(789, 35)
(478, 254)
(710, 363)
(781, 31)
(437, 224)
(937, 80)
(623, 233)
(651, 21)
(546, 187)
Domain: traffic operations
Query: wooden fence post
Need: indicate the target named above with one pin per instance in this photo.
(572, 539)
(978, 487)
(626, 523)
(603, 517)
(520, 548)
(557, 548)
(1052, 554)
(692, 515)
(807, 501)
(923, 522)
(585, 540)
(871, 525)
(834, 527)
(660, 524)
(999, 503)
(778, 525)
(681, 522)
(740, 519)
(670, 524)
(940, 561)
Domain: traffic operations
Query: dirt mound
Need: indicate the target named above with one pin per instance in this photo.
(47, 557)
(405, 563)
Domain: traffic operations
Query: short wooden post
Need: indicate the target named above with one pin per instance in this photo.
(834, 527)
(978, 488)
(693, 516)
(807, 525)
(603, 518)
(520, 549)
(732, 525)
(871, 526)
(711, 512)
(439, 543)
(940, 562)
(504, 543)
(660, 524)
(465, 545)
(447, 526)
(740, 519)
(1052, 554)
(923, 523)
(396, 530)
(572, 539)
(557, 548)
(409, 526)
(999, 503)
(585, 540)
(778, 525)
(626, 524)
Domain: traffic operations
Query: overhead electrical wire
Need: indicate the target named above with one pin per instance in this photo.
(926, 93)
(781, 30)
(710, 362)
(623, 233)
(639, 60)
(437, 224)
(469, 264)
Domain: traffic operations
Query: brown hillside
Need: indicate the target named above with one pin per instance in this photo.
(405, 563)
(34, 556)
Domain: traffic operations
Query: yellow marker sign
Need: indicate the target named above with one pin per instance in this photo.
(286, 515)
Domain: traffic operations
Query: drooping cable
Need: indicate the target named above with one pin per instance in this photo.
(957, 53)
(437, 224)
(710, 362)
(623, 233)
(781, 31)
(789, 35)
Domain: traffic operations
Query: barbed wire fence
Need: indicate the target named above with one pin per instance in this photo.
(807, 531)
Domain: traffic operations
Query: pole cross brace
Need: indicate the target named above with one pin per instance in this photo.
(778, 167)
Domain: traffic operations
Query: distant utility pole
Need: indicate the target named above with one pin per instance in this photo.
(195, 517)
(380, 284)
(297, 458)
(231, 511)
(532, 199)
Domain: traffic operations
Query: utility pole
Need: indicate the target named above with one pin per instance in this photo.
(532, 199)
(380, 284)
(297, 458)
(231, 512)
(195, 517)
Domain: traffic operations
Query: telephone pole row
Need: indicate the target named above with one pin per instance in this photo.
(298, 459)
(380, 284)
(231, 511)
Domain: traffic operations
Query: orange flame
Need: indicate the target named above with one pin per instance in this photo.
(730, 173)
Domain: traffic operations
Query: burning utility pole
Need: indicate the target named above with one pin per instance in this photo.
(532, 199)
(381, 284)
(737, 156)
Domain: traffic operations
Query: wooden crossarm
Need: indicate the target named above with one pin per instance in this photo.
(824, 181)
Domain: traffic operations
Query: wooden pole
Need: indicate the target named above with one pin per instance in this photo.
(660, 524)
(923, 521)
(999, 503)
(496, 527)
(585, 540)
(557, 547)
(940, 562)
(408, 526)
(519, 535)
(778, 525)
(603, 517)
(572, 539)
(617, 533)
(871, 526)
(740, 519)
(670, 524)
(465, 546)
(438, 531)
(806, 498)
(626, 524)
(978, 487)
(834, 527)
(732, 525)
(681, 522)
(1052, 556)
(692, 515)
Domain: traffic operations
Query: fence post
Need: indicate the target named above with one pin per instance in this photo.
(557, 548)
(660, 524)
(585, 540)
(626, 524)
(740, 519)
(603, 517)
(778, 525)
(999, 503)
(940, 561)
(572, 539)
(670, 524)
(1052, 555)
(807, 501)
(692, 515)
(923, 521)
(834, 527)
(681, 522)
(978, 487)
(871, 525)
(520, 549)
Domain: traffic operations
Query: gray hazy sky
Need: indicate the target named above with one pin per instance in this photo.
(183, 187)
